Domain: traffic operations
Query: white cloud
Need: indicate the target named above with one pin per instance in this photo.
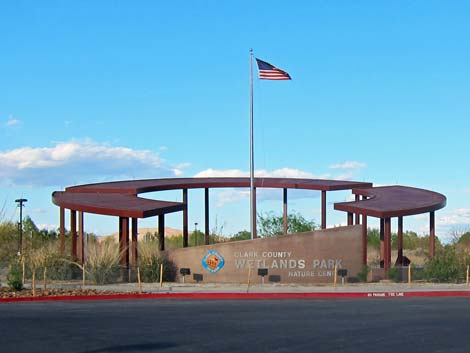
(278, 173)
(49, 227)
(74, 162)
(344, 176)
(12, 121)
(460, 216)
(349, 165)
(231, 196)
(263, 194)
(213, 173)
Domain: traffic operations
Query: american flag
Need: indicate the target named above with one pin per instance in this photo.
(270, 72)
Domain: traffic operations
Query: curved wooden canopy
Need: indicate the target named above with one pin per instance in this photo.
(150, 185)
(112, 204)
(120, 198)
(393, 201)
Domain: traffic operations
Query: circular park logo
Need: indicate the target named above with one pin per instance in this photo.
(213, 261)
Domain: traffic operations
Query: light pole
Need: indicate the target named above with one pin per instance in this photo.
(20, 203)
(195, 232)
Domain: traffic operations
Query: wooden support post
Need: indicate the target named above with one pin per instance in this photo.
(206, 217)
(432, 235)
(134, 245)
(382, 250)
(124, 246)
(323, 209)
(81, 241)
(62, 231)
(161, 232)
(364, 240)
(400, 240)
(358, 216)
(285, 216)
(350, 219)
(185, 218)
(73, 231)
(388, 245)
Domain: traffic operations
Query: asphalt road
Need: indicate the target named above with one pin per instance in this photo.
(401, 325)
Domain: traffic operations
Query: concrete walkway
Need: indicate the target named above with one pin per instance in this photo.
(279, 288)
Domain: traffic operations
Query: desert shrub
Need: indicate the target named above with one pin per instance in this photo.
(60, 268)
(150, 259)
(15, 275)
(102, 262)
(36, 260)
(394, 274)
(417, 273)
(449, 265)
(362, 276)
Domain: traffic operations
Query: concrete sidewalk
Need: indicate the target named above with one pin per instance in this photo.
(279, 288)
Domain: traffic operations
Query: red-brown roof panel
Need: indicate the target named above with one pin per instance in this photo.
(150, 185)
(122, 205)
(393, 201)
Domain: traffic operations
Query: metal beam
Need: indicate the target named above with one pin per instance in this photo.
(255, 231)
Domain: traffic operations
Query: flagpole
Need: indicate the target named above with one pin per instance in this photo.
(252, 161)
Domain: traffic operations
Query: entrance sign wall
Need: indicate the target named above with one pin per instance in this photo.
(300, 258)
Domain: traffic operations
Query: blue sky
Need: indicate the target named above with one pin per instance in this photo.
(110, 90)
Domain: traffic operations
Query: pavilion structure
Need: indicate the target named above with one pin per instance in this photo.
(120, 199)
(389, 202)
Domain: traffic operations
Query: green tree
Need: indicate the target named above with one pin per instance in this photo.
(271, 225)
(8, 242)
(464, 240)
(196, 238)
(373, 237)
(241, 235)
(411, 240)
(29, 227)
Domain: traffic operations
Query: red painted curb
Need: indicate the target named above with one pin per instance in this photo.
(241, 296)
